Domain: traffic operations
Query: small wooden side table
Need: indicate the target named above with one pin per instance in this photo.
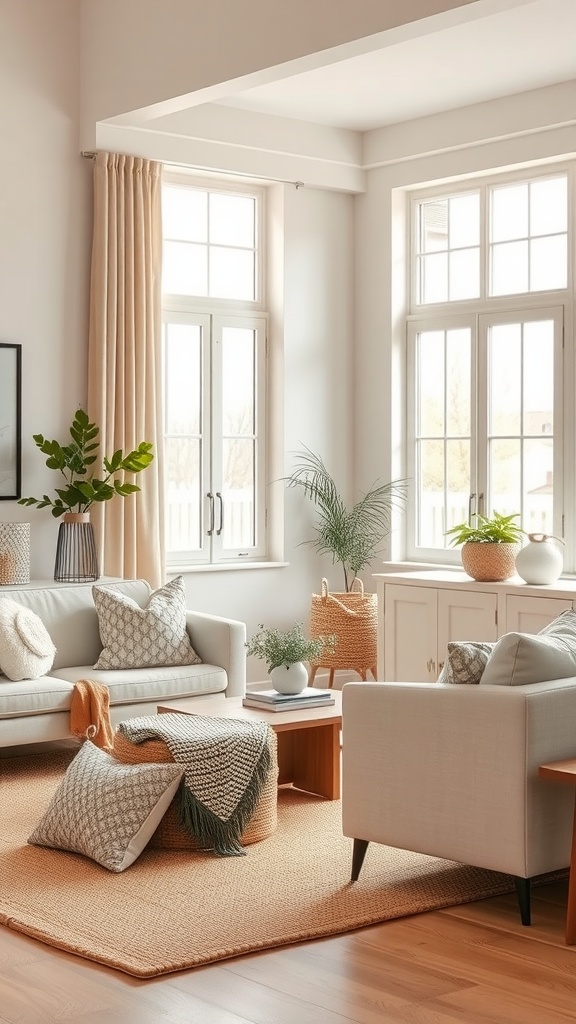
(565, 771)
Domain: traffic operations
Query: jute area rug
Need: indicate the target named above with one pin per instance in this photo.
(174, 910)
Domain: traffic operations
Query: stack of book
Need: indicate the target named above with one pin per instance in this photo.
(271, 700)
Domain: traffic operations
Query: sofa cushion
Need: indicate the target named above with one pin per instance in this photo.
(106, 810)
(152, 684)
(26, 649)
(135, 637)
(34, 696)
(465, 661)
(520, 658)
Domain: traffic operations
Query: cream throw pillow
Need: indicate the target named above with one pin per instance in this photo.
(520, 658)
(106, 810)
(465, 661)
(135, 637)
(26, 647)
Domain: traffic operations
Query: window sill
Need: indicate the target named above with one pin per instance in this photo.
(173, 570)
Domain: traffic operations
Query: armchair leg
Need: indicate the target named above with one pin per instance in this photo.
(358, 854)
(523, 893)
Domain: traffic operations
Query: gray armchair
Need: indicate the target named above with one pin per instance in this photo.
(452, 771)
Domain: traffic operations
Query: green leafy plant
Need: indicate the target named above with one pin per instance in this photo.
(498, 529)
(279, 647)
(352, 535)
(73, 461)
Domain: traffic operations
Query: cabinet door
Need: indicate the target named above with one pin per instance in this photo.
(531, 614)
(410, 634)
(465, 615)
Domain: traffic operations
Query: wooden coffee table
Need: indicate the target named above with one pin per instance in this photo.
(308, 739)
(565, 771)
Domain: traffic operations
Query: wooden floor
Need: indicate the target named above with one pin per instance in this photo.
(474, 964)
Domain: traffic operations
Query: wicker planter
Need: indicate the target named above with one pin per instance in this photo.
(353, 618)
(489, 563)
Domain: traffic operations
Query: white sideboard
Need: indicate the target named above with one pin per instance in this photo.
(419, 612)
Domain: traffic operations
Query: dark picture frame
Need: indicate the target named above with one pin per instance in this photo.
(10, 422)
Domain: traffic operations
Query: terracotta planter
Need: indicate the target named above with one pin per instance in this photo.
(489, 563)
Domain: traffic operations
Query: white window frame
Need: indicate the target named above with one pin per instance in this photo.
(212, 315)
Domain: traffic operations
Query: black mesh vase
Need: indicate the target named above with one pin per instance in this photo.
(76, 558)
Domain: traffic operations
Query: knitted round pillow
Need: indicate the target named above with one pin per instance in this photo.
(26, 648)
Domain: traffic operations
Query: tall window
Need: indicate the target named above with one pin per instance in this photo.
(490, 292)
(214, 345)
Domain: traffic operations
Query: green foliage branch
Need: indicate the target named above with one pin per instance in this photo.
(73, 461)
(278, 647)
(351, 534)
(498, 529)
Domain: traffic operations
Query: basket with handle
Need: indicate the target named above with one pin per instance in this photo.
(353, 618)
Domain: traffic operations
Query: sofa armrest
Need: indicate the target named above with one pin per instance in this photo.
(220, 642)
(452, 771)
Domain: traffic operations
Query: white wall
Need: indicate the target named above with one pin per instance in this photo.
(44, 241)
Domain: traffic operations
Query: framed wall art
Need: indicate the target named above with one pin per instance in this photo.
(10, 421)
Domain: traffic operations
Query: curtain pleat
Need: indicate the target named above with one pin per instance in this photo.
(124, 357)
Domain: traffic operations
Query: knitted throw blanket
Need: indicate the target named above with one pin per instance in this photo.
(226, 763)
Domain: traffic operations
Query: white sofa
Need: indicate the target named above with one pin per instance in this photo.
(33, 711)
(452, 771)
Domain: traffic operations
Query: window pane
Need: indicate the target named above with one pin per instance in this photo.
(538, 479)
(232, 220)
(548, 263)
(548, 206)
(464, 221)
(457, 484)
(539, 377)
(509, 268)
(430, 415)
(509, 213)
(458, 363)
(183, 377)
(465, 274)
(434, 226)
(232, 274)
(238, 379)
(184, 214)
(184, 269)
(505, 379)
(238, 493)
(183, 494)
(504, 465)
(430, 527)
(435, 278)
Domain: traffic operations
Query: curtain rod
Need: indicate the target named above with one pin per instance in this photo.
(90, 155)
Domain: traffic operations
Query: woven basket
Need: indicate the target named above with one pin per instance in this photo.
(489, 563)
(14, 553)
(353, 618)
(169, 834)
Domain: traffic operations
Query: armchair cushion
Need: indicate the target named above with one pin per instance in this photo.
(465, 661)
(520, 658)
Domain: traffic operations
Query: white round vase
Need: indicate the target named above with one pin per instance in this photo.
(540, 561)
(289, 678)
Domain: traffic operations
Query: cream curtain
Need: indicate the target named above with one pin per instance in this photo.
(124, 357)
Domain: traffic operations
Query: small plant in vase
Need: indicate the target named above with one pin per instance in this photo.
(76, 559)
(285, 652)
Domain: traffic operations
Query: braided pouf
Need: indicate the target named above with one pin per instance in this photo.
(169, 834)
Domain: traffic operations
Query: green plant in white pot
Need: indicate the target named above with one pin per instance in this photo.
(285, 652)
(489, 547)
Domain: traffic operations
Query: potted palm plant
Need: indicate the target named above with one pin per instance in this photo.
(352, 535)
(83, 485)
(489, 547)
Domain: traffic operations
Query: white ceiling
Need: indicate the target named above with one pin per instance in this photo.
(527, 47)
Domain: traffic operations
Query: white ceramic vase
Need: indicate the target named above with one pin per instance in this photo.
(540, 561)
(290, 677)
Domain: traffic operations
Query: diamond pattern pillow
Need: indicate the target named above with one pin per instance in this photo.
(465, 661)
(135, 637)
(107, 810)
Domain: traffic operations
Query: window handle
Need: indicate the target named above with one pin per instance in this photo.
(471, 510)
(210, 497)
(481, 504)
(221, 500)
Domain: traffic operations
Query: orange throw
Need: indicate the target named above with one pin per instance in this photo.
(89, 713)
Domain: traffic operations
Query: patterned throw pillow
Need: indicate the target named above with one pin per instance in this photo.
(26, 648)
(135, 637)
(107, 810)
(465, 661)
